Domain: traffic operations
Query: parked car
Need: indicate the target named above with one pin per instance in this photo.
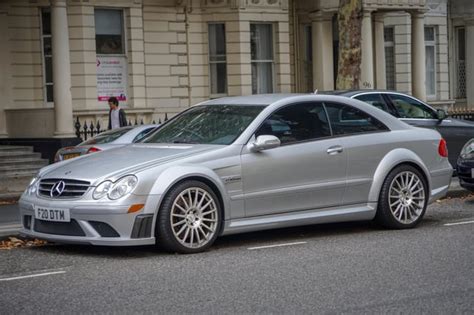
(105, 140)
(417, 113)
(241, 164)
(466, 166)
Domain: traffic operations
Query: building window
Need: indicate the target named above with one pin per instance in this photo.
(47, 54)
(109, 32)
(261, 49)
(307, 69)
(217, 60)
(430, 61)
(460, 36)
(389, 42)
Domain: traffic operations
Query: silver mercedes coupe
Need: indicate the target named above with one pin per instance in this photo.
(241, 164)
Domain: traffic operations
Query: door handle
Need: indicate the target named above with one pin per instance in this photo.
(334, 150)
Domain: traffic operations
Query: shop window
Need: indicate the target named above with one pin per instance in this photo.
(217, 60)
(109, 32)
(430, 60)
(47, 54)
(261, 49)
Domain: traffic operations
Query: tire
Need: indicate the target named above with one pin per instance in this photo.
(403, 198)
(189, 219)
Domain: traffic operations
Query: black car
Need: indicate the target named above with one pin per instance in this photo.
(466, 166)
(456, 132)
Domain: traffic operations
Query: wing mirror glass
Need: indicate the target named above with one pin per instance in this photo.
(441, 114)
(264, 143)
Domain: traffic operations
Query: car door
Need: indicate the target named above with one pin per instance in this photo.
(362, 137)
(307, 171)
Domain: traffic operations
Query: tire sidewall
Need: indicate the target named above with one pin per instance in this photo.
(384, 214)
(163, 231)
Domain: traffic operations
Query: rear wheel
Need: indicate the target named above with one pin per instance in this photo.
(403, 198)
(189, 219)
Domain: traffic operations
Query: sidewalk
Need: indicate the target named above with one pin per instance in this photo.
(10, 216)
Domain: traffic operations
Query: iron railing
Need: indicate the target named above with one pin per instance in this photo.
(462, 113)
(85, 129)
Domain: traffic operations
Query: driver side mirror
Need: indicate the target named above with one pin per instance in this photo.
(441, 114)
(264, 142)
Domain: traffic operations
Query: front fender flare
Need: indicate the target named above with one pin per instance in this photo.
(171, 176)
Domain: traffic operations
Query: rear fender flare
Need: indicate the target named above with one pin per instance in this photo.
(389, 162)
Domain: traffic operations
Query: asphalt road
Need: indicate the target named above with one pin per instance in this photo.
(336, 268)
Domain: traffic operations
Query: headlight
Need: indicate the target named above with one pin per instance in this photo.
(102, 189)
(116, 190)
(32, 186)
(467, 151)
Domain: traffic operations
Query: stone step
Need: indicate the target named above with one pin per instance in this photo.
(15, 148)
(4, 155)
(15, 184)
(13, 170)
(19, 162)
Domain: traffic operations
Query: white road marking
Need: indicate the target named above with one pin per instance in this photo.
(33, 275)
(277, 245)
(459, 223)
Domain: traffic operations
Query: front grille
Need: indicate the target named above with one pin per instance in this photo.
(72, 188)
(104, 229)
(59, 228)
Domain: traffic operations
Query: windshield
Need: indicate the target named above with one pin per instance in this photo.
(106, 137)
(207, 124)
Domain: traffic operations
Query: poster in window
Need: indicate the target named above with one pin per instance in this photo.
(111, 78)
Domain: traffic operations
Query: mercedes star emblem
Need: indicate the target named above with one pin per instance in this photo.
(57, 189)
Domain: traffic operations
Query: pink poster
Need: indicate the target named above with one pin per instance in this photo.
(111, 78)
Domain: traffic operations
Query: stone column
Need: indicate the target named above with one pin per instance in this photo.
(418, 71)
(5, 70)
(323, 60)
(380, 75)
(367, 54)
(61, 70)
(470, 63)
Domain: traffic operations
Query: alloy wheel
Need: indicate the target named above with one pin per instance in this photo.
(406, 197)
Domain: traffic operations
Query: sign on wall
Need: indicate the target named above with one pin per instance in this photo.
(111, 78)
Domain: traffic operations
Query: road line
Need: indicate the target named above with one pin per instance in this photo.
(277, 245)
(34, 275)
(459, 223)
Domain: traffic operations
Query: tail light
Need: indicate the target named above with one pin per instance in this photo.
(442, 148)
(93, 149)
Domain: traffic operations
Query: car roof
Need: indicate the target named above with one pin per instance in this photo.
(255, 99)
(350, 93)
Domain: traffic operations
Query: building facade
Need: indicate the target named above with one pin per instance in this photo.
(61, 59)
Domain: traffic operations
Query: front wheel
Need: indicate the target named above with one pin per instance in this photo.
(189, 218)
(403, 198)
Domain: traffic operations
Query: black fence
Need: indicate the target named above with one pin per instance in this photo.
(85, 130)
(466, 114)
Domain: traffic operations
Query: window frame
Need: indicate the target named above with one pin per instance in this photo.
(432, 43)
(217, 95)
(268, 61)
(49, 104)
(390, 44)
(332, 135)
(123, 30)
(387, 129)
(389, 97)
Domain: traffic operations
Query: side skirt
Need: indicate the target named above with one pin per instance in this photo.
(359, 212)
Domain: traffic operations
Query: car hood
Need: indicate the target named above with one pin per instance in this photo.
(120, 161)
(460, 122)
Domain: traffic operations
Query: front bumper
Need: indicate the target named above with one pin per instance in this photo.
(464, 170)
(95, 224)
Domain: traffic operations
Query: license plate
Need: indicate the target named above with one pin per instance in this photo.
(70, 156)
(52, 214)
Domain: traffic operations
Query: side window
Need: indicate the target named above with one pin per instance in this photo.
(374, 99)
(346, 119)
(142, 134)
(294, 123)
(408, 107)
